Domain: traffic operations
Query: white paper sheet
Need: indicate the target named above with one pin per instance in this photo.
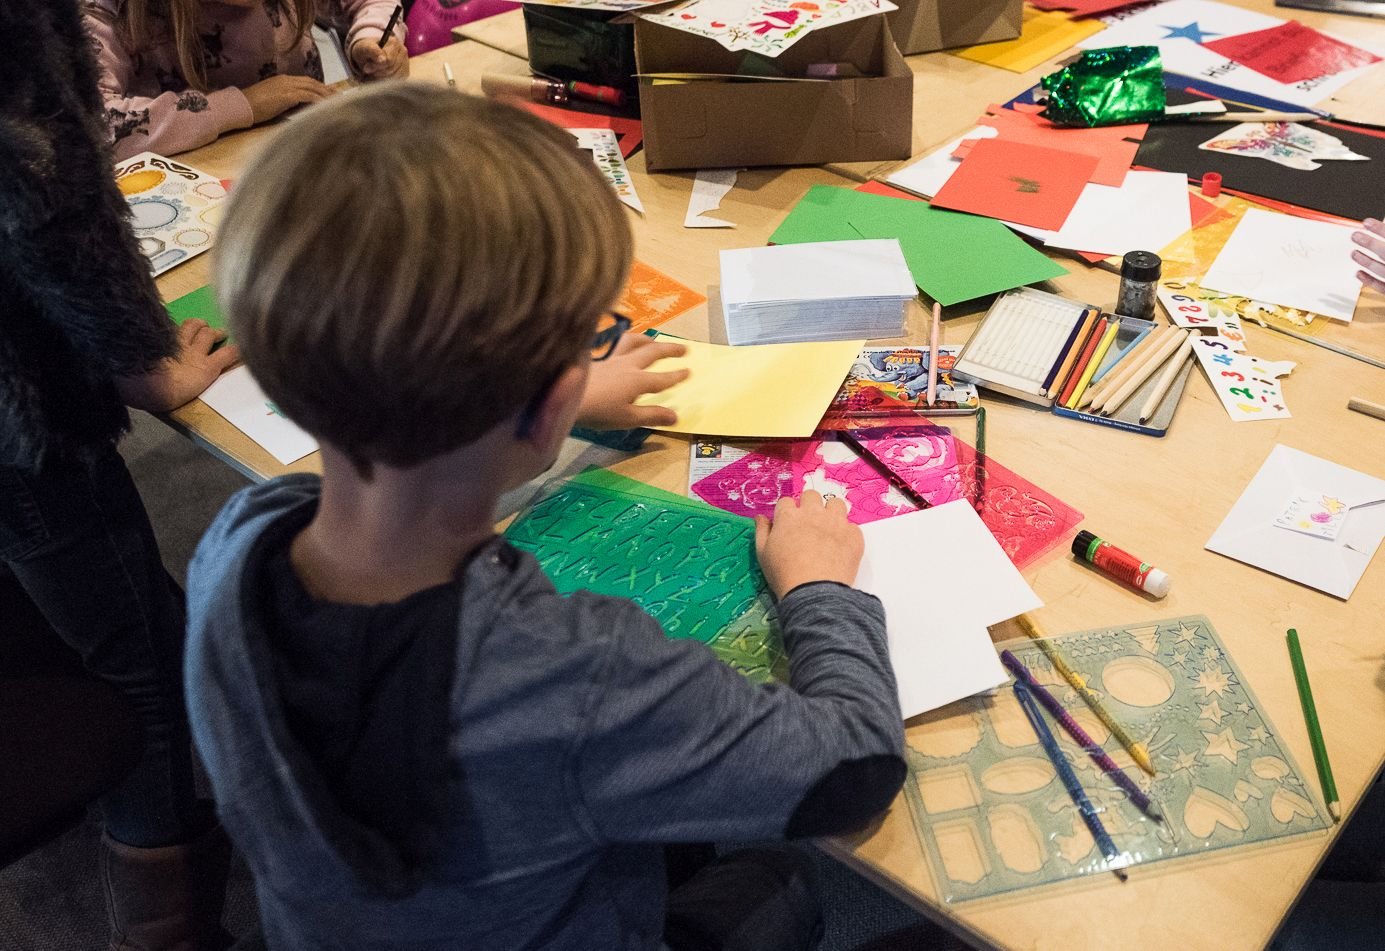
(236, 396)
(1175, 27)
(929, 174)
(816, 271)
(1293, 262)
(605, 149)
(1145, 213)
(1334, 565)
(709, 188)
(936, 616)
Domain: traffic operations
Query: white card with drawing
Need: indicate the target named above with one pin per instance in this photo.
(236, 396)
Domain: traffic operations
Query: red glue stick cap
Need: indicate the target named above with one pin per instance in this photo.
(1211, 184)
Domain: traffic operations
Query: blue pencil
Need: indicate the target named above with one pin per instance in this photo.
(1062, 354)
(1079, 797)
(1121, 354)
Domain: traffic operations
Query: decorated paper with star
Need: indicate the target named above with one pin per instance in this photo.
(1223, 778)
(1183, 30)
(767, 27)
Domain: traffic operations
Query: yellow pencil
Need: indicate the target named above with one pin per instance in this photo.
(1136, 750)
(1097, 356)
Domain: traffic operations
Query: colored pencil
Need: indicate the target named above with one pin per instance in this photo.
(1083, 738)
(1310, 716)
(1112, 327)
(933, 340)
(1080, 367)
(1136, 750)
(1121, 354)
(1084, 331)
(389, 28)
(1138, 377)
(881, 469)
(1129, 360)
(1166, 379)
(1063, 354)
(1367, 407)
(1074, 788)
(979, 502)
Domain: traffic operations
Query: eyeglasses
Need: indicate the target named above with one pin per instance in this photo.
(609, 330)
(610, 327)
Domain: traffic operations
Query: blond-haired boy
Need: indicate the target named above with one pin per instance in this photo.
(415, 741)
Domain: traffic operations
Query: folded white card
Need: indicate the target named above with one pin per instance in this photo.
(1272, 524)
(937, 609)
(236, 396)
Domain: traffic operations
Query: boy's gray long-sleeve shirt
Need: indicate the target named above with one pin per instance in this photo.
(580, 741)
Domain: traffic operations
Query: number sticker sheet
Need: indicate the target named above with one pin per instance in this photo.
(1247, 386)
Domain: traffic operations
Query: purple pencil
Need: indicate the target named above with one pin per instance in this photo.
(1084, 740)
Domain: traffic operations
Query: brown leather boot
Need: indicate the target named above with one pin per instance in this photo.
(169, 898)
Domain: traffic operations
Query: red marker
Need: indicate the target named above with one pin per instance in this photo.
(1121, 565)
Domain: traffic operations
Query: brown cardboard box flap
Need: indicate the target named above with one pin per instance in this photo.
(733, 124)
(922, 26)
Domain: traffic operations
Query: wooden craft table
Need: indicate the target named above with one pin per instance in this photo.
(1162, 498)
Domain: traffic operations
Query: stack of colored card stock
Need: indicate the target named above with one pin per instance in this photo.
(833, 290)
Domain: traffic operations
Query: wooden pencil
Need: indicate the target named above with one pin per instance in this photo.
(1166, 379)
(1063, 353)
(1136, 750)
(1137, 379)
(933, 340)
(1310, 718)
(1122, 353)
(1117, 370)
(1084, 330)
(1109, 337)
(1116, 380)
(1078, 368)
(1367, 407)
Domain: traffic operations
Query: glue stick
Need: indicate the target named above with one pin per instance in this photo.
(1121, 565)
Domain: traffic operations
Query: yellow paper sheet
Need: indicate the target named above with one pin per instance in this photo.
(1043, 36)
(774, 390)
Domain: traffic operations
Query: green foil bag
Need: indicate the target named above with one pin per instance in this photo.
(1112, 86)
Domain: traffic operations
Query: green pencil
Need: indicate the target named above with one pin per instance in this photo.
(1310, 716)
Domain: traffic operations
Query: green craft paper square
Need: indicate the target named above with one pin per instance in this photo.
(200, 304)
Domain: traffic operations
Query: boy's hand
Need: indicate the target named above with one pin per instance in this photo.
(373, 62)
(181, 378)
(809, 541)
(1372, 238)
(278, 94)
(616, 382)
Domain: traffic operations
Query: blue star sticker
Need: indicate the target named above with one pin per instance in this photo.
(1190, 32)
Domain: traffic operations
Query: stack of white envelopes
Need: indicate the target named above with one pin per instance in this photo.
(827, 290)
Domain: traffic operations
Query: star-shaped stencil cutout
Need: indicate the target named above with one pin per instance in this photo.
(1180, 657)
(1184, 762)
(1223, 744)
(1190, 32)
(1211, 711)
(1185, 633)
(1212, 680)
(1259, 734)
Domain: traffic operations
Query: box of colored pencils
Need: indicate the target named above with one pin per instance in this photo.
(1130, 375)
(1018, 345)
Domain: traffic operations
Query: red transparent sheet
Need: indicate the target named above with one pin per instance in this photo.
(1026, 520)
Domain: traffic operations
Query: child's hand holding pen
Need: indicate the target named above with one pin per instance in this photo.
(374, 61)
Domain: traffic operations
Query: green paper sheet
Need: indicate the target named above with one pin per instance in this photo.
(691, 566)
(953, 257)
(201, 304)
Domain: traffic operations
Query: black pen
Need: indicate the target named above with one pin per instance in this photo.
(389, 28)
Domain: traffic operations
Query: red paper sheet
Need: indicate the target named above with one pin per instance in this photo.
(1291, 52)
(1110, 145)
(1015, 181)
(629, 132)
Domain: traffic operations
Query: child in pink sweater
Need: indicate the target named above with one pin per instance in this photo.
(176, 74)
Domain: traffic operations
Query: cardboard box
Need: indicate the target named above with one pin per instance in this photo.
(733, 124)
(921, 26)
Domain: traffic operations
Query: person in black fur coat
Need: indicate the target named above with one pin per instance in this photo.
(83, 335)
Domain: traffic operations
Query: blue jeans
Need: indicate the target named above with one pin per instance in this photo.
(76, 536)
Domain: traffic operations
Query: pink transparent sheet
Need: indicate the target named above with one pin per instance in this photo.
(1026, 520)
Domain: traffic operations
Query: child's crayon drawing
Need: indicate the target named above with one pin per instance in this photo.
(1314, 513)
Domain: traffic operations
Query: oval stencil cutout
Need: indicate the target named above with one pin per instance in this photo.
(1285, 805)
(1016, 837)
(1205, 810)
(149, 213)
(945, 736)
(1269, 767)
(1137, 681)
(1018, 775)
(141, 181)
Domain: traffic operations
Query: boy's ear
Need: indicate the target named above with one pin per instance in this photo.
(557, 410)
